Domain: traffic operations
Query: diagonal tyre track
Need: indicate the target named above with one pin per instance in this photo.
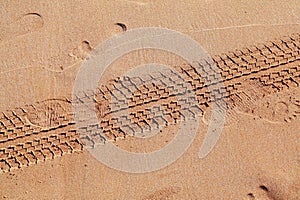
(129, 105)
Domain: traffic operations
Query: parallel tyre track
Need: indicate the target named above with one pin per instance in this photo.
(45, 130)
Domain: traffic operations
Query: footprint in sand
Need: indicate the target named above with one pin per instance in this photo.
(276, 189)
(262, 192)
(284, 107)
(27, 23)
(81, 51)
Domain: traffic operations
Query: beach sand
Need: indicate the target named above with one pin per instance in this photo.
(43, 46)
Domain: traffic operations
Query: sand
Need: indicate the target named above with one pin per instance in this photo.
(256, 48)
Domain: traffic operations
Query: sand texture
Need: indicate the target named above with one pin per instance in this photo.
(255, 48)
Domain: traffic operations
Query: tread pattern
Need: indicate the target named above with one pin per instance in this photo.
(129, 105)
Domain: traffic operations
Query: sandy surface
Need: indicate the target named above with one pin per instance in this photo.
(42, 46)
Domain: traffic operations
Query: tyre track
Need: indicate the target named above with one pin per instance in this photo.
(46, 129)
